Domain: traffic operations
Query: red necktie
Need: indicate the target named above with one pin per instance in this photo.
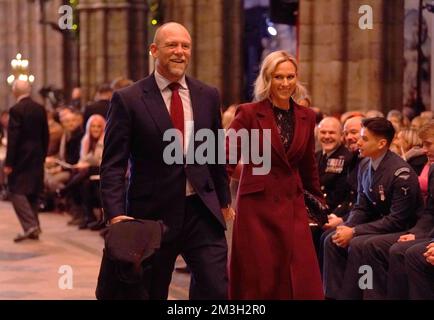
(176, 109)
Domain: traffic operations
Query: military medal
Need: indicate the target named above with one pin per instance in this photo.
(381, 190)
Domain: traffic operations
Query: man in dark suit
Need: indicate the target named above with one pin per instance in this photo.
(192, 200)
(101, 104)
(26, 151)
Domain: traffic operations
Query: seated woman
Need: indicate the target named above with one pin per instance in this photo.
(88, 165)
(411, 149)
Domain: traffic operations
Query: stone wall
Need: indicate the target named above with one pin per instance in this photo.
(112, 42)
(215, 27)
(345, 67)
(22, 33)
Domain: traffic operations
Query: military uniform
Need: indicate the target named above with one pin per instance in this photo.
(420, 273)
(332, 172)
(343, 209)
(388, 199)
(387, 256)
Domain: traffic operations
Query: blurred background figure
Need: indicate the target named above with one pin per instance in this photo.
(120, 83)
(75, 102)
(27, 139)
(101, 104)
(410, 149)
(374, 114)
(4, 119)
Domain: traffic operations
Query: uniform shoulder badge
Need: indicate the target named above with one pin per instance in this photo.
(401, 170)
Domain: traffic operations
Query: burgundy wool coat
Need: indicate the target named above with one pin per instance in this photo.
(273, 255)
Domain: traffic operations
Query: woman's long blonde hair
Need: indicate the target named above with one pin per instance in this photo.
(263, 81)
(88, 143)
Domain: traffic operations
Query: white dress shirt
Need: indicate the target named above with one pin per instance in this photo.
(184, 93)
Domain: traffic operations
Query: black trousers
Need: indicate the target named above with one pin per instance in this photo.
(420, 272)
(26, 209)
(202, 244)
(382, 260)
(341, 268)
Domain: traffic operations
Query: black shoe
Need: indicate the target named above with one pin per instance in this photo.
(96, 225)
(83, 225)
(32, 233)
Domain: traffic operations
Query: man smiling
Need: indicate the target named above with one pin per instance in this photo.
(388, 199)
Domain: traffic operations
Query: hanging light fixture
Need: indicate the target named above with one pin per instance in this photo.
(20, 70)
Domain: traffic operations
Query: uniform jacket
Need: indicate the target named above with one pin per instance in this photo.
(333, 172)
(389, 198)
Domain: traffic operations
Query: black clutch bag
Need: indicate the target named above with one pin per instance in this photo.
(316, 210)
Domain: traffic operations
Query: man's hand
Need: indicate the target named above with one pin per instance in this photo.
(429, 253)
(334, 221)
(7, 170)
(81, 165)
(343, 236)
(407, 237)
(228, 213)
(120, 218)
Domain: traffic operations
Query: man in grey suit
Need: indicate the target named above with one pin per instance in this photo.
(26, 151)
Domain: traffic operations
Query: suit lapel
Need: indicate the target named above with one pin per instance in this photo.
(196, 98)
(266, 121)
(155, 104)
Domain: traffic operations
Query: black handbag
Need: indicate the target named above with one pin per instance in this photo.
(316, 210)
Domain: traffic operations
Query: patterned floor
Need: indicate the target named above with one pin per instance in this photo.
(40, 269)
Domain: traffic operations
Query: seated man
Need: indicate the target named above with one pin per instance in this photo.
(419, 264)
(387, 256)
(388, 198)
(333, 160)
(340, 213)
(352, 128)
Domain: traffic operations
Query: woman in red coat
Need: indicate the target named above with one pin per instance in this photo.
(273, 256)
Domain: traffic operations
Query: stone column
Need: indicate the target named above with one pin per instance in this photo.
(215, 27)
(112, 42)
(345, 67)
(5, 55)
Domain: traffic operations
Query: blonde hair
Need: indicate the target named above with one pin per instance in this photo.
(88, 143)
(411, 137)
(418, 122)
(263, 81)
(427, 130)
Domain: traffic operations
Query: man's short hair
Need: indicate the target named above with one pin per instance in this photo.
(380, 127)
(104, 88)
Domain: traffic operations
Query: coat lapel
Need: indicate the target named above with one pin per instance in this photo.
(301, 125)
(266, 121)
